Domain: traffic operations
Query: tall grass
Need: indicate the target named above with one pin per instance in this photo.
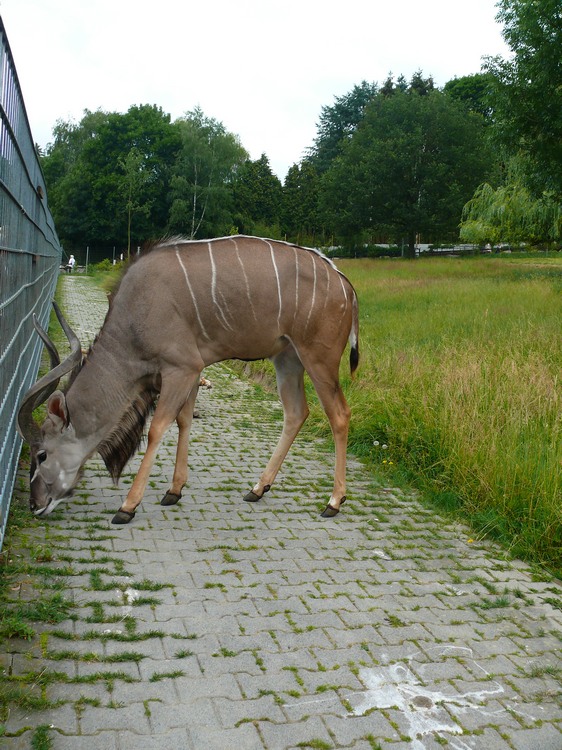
(460, 377)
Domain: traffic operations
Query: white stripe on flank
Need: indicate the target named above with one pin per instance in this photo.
(278, 282)
(296, 284)
(341, 278)
(248, 294)
(327, 292)
(183, 268)
(313, 295)
(222, 314)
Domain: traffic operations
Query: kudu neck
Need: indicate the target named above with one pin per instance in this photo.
(103, 389)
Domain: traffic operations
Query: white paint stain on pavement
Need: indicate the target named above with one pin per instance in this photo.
(424, 706)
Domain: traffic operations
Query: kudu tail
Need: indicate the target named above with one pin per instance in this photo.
(354, 337)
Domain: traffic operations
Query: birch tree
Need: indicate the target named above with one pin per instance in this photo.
(201, 186)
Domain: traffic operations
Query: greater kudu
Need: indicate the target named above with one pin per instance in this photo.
(179, 308)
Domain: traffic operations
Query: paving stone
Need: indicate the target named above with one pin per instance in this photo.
(103, 740)
(545, 737)
(301, 733)
(232, 713)
(244, 737)
(322, 705)
(176, 739)
(93, 719)
(348, 729)
(222, 686)
(145, 691)
(189, 714)
(63, 719)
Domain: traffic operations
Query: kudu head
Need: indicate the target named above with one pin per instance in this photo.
(55, 460)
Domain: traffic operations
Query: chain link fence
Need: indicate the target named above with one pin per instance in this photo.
(30, 256)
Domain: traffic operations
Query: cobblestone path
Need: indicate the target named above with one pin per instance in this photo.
(223, 625)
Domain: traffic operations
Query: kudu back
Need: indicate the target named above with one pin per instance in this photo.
(179, 308)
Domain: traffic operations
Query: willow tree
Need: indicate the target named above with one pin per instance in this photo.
(510, 214)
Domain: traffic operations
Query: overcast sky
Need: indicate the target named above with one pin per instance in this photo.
(264, 68)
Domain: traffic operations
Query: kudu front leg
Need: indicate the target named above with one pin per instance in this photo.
(166, 412)
(127, 511)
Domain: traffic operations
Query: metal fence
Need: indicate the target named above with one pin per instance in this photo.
(30, 256)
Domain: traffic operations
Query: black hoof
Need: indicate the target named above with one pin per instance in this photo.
(329, 511)
(170, 498)
(251, 497)
(122, 517)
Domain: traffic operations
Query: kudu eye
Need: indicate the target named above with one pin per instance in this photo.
(41, 456)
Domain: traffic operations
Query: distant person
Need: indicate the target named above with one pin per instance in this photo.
(71, 263)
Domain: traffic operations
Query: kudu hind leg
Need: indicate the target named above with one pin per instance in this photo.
(170, 403)
(184, 420)
(290, 386)
(326, 382)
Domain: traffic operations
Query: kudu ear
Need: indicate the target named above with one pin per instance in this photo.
(57, 411)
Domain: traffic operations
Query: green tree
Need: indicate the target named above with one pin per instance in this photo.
(474, 92)
(65, 175)
(338, 122)
(420, 85)
(299, 210)
(409, 168)
(86, 178)
(135, 178)
(528, 89)
(512, 214)
(257, 198)
(203, 176)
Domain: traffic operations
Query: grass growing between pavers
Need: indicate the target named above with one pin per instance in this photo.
(29, 689)
(47, 599)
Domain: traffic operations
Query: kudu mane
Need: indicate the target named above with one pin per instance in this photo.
(126, 437)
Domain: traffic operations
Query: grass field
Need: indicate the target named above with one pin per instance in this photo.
(460, 378)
